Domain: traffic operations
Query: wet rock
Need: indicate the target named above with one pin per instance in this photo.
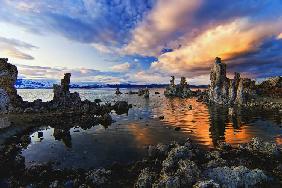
(98, 177)
(106, 119)
(161, 117)
(145, 179)
(121, 107)
(39, 134)
(158, 151)
(188, 172)
(29, 110)
(97, 101)
(157, 93)
(25, 140)
(258, 145)
(177, 128)
(55, 184)
(168, 182)
(214, 160)
(176, 154)
(236, 176)
(206, 184)
(223, 145)
(218, 162)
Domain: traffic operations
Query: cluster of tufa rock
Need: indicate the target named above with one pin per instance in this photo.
(186, 165)
(223, 90)
(62, 95)
(144, 92)
(181, 90)
(63, 100)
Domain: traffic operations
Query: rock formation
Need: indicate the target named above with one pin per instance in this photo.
(180, 90)
(62, 94)
(118, 91)
(8, 76)
(146, 93)
(223, 90)
(271, 87)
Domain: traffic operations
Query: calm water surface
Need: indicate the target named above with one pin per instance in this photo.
(126, 139)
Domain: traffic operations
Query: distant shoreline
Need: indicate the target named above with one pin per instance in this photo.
(123, 86)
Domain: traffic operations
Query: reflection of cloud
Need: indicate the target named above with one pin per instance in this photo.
(13, 48)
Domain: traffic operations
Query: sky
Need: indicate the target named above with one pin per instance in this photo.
(141, 41)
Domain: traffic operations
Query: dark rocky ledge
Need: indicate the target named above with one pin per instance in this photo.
(255, 164)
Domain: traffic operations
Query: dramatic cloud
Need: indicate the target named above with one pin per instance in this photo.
(13, 48)
(165, 37)
(152, 33)
(227, 41)
(87, 21)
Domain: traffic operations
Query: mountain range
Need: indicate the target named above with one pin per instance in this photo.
(47, 84)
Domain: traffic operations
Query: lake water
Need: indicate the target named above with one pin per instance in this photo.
(126, 139)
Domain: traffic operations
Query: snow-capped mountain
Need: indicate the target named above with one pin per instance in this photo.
(26, 83)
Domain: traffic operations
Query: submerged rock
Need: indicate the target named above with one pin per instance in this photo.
(121, 107)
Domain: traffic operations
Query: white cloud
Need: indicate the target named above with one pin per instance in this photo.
(121, 67)
(15, 48)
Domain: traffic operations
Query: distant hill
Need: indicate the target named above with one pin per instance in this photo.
(47, 84)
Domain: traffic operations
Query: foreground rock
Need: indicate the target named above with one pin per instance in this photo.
(9, 98)
(167, 165)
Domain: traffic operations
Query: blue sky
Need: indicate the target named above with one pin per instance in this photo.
(120, 41)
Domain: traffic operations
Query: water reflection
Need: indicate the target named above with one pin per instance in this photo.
(75, 138)
(64, 135)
